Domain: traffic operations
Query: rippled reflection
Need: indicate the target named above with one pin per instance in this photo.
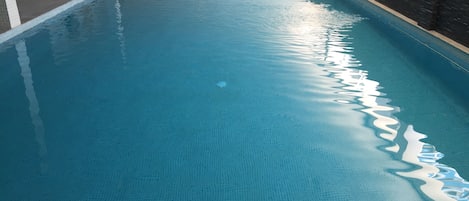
(435, 175)
(23, 60)
(120, 31)
(440, 181)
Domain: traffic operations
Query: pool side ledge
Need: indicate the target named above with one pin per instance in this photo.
(454, 52)
(12, 33)
(414, 23)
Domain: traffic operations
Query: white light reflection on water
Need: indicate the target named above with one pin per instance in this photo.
(23, 60)
(120, 31)
(336, 54)
(435, 175)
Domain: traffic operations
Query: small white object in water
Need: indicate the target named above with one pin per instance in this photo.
(221, 84)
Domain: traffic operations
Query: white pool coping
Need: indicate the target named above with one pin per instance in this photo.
(13, 13)
(414, 23)
(38, 20)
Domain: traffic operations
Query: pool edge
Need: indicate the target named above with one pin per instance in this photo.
(12, 33)
(414, 23)
(457, 57)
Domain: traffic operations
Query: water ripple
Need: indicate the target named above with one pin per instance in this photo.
(435, 175)
(331, 45)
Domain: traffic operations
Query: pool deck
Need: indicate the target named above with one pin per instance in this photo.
(6, 36)
(414, 23)
(31, 9)
(27, 11)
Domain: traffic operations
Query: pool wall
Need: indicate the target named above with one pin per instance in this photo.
(447, 17)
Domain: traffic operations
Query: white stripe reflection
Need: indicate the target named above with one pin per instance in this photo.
(23, 60)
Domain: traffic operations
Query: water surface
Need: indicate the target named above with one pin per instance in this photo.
(225, 100)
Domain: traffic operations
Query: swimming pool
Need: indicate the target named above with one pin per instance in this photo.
(229, 100)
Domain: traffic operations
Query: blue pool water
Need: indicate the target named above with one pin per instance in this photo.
(229, 100)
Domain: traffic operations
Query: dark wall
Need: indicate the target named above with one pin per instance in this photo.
(4, 20)
(405, 7)
(448, 17)
(454, 20)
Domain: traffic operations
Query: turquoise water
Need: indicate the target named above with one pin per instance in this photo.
(229, 100)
